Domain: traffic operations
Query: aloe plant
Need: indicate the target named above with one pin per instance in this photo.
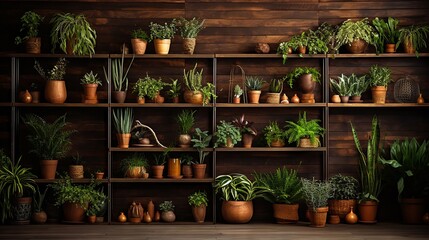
(119, 77)
(123, 120)
(276, 86)
(343, 86)
(254, 83)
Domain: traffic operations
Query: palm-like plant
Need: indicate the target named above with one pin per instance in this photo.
(304, 129)
(123, 119)
(186, 121)
(201, 140)
(237, 187)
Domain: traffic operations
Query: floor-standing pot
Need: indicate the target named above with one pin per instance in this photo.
(39, 217)
(138, 45)
(48, 168)
(412, 210)
(285, 213)
(157, 171)
(187, 171)
(341, 207)
(379, 94)
(189, 45)
(194, 97)
(123, 139)
(368, 211)
(22, 210)
(237, 211)
(174, 168)
(33, 45)
(199, 213)
(162, 46)
(357, 46)
(199, 170)
(254, 96)
(73, 212)
(318, 217)
(90, 93)
(55, 91)
(119, 96)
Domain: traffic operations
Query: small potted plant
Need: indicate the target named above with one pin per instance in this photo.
(343, 87)
(90, 83)
(185, 120)
(139, 40)
(388, 34)
(193, 81)
(379, 80)
(198, 201)
(284, 191)
(30, 24)
(274, 90)
(162, 35)
(39, 215)
(238, 91)
(201, 140)
(299, 43)
(208, 92)
(134, 166)
(316, 194)
(227, 134)
(360, 85)
(174, 91)
(344, 195)
(189, 30)
(122, 120)
(274, 135)
(119, 78)
(413, 38)
(73, 33)
(55, 87)
(159, 161)
(167, 211)
(186, 161)
(254, 85)
(149, 87)
(308, 77)
(304, 133)
(246, 129)
(76, 167)
(355, 35)
(99, 174)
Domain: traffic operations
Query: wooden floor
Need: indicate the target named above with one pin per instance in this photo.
(218, 231)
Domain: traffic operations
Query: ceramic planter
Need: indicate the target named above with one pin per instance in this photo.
(199, 213)
(55, 91)
(33, 45)
(368, 211)
(48, 168)
(285, 213)
(162, 46)
(138, 45)
(237, 211)
(199, 170)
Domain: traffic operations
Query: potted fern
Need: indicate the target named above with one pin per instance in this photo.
(139, 40)
(162, 35)
(30, 24)
(254, 85)
(305, 133)
(227, 134)
(355, 35)
(189, 30)
(413, 38)
(90, 83)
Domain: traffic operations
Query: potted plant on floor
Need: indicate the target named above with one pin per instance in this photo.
(149, 87)
(76, 167)
(238, 91)
(122, 120)
(39, 215)
(274, 90)
(189, 30)
(307, 76)
(162, 35)
(408, 164)
(370, 173)
(284, 191)
(316, 194)
(198, 202)
(139, 40)
(186, 161)
(246, 129)
(344, 195)
(343, 87)
(174, 91)
(201, 140)
(379, 80)
(55, 88)
(49, 142)
(254, 85)
(413, 38)
(304, 133)
(16, 184)
(134, 166)
(237, 193)
(90, 83)
(274, 135)
(30, 24)
(355, 35)
(227, 135)
(73, 33)
(388, 34)
(185, 120)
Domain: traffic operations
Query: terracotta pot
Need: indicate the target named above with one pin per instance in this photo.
(306, 143)
(72, 212)
(254, 96)
(147, 218)
(368, 211)
(168, 216)
(236, 100)
(76, 171)
(159, 99)
(286, 213)
(90, 93)
(357, 46)
(162, 46)
(138, 45)
(35, 96)
(135, 172)
(390, 48)
(306, 83)
(344, 99)
(187, 171)
(48, 168)
(412, 210)
(302, 49)
(33, 45)
(99, 175)
(175, 99)
(408, 46)
(39, 217)
(22, 210)
(199, 170)
(277, 143)
(189, 45)
(119, 96)
(55, 91)
(420, 99)
(173, 168)
(294, 99)
(334, 219)
(341, 207)
(141, 100)
(335, 98)
(237, 211)
(199, 213)
(273, 97)
(70, 45)
(123, 140)
(355, 98)
(194, 97)
(92, 219)
(157, 171)
(229, 143)
(185, 140)
(247, 140)
(379, 94)
(318, 217)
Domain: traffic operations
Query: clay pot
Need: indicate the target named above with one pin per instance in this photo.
(341, 207)
(199, 213)
(306, 83)
(185, 140)
(157, 171)
(138, 45)
(247, 140)
(425, 218)
(168, 216)
(39, 217)
(273, 97)
(119, 96)
(123, 140)
(26, 97)
(48, 168)
(135, 172)
(412, 210)
(92, 219)
(187, 171)
(76, 171)
(334, 219)
(254, 96)
(318, 217)
(147, 218)
(174, 168)
(229, 143)
(302, 49)
(284, 99)
(35, 96)
(344, 99)
(122, 218)
(335, 98)
(408, 46)
(90, 93)
(175, 100)
(236, 100)
(351, 217)
(33, 45)
(73, 212)
(162, 46)
(237, 211)
(55, 91)
(199, 170)
(194, 97)
(368, 211)
(379, 94)
(355, 98)
(357, 46)
(189, 45)
(99, 175)
(390, 48)
(286, 213)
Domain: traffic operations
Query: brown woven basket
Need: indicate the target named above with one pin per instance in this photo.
(341, 207)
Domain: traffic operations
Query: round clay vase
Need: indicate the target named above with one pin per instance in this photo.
(286, 213)
(119, 96)
(294, 99)
(39, 217)
(26, 97)
(139, 45)
(253, 96)
(368, 211)
(357, 46)
(147, 218)
(162, 46)
(284, 99)
(306, 83)
(72, 212)
(48, 168)
(237, 211)
(336, 98)
(185, 140)
(379, 94)
(122, 218)
(187, 171)
(33, 45)
(188, 45)
(351, 217)
(420, 99)
(199, 213)
(194, 97)
(157, 171)
(168, 216)
(390, 48)
(199, 170)
(334, 219)
(318, 218)
(55, 91)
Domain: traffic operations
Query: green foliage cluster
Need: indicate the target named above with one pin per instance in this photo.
(298, 71)
(56, 73)
(237, 187)
(350, 31)
(342, 86)
(225, 131)
(123, 119)
(140, 34)
(189, 28)
(30, 23)
(166, 206)
(198, 199)
(134, 160)
(254, 83)
(148, 87)
(201, 140)
(238, 91)
(417, 35)
(175, 89)
(388, 31)
(344, 187)
(272, 133)
(304, 129)
(160, 31)
(316, 193)
(90, 78)
(379, 76)
(186, 120)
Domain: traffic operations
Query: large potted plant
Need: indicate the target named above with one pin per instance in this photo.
(134, 166)
(247, 130)
(162, 35)
(123, 120)
(237, 193)
(30, 23)
(355, 35)
(344, 195)
(55, 88)
(316, 194)
(201, 140)
(185, 120)
(284, 191)
(275, 88)
(73, 33)
(413, 38)
(149, 87)
(189, 30)
(139, 40)
(49, 142)
(274, 135)
(388, 34)
(227, 135)
(198, 202)
(379, 80)
(308, 76)
(370, 173)
(90, 83)
(16, 186)
(254, 85)
(327, 32)
(305, 133)
(408, 162)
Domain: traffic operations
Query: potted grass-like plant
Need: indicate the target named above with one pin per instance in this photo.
(189, 30)
(185, 120)
(30, 24)
(122, 120)
(343, 87)
(134, 166)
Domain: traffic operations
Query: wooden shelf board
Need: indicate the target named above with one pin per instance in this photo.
(155, 149)
(255, 55)
(268, 105)
(373, 55)
(163, 223)
(162, 180)
(4, 104)
(161, 105)
(83, 180)
(83, 105)
(373, 105)
(56, 55)
(167, 56)
(271, 149)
